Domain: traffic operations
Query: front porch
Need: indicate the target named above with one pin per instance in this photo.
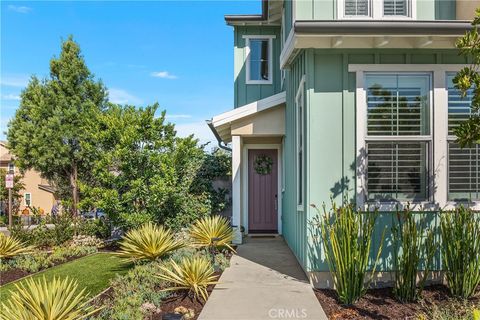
(255, 133)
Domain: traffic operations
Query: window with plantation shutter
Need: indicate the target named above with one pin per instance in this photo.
(376, 9)
(463, 163)
(395, 8)
(398, 140)
(357, 7)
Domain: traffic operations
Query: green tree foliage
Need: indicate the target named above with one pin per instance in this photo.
(18, 186)
(54, 128)
(468, 133)
(147, 173)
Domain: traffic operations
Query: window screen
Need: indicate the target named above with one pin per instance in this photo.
(395, 8)
(357, 7)
(398, 136)
(258, 59)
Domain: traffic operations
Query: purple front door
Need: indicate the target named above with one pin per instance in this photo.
(262, 191)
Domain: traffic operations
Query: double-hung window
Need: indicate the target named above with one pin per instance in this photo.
(28, 199)
(300, 118)
(398, 136)
(259, 59)
(375, 9)
(463, 163)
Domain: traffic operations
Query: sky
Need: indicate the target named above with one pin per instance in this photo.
(176, 53)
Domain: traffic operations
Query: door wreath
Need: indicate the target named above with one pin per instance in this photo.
(263, 164)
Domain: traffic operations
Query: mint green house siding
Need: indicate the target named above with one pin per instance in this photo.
(330, 137)
(327, 9)
(294, 222)
(247, 93)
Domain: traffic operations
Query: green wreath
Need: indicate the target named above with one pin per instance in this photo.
(263, 164)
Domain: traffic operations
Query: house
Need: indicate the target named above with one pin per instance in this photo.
(37, 192)
(346, 98)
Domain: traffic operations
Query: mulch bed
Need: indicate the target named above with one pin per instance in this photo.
(380, 304)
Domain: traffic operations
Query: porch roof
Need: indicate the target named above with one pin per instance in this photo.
(221, 124)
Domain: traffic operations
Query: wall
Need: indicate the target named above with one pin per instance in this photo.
(327, 9)
(247, 93)
(465, 9)
(294, 222)
(331, 159)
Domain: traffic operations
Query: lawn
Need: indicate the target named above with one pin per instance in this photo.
(91, 272)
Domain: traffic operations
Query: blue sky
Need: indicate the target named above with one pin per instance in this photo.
(179, 53)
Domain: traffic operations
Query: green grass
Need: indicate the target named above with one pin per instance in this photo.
(91, 272)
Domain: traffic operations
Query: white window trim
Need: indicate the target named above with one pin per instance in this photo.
(376, 11)
(300, 92)
(439, 165)
(270, 57)
(25, 199)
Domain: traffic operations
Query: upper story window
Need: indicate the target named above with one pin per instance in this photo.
(376, 9)
(259, 59)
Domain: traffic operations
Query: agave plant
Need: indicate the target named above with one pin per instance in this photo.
(11, 246)
(149, 242)
(212, 231)
(42, 300)
(193, 274)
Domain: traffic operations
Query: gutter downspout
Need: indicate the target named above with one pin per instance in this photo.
(221, 145)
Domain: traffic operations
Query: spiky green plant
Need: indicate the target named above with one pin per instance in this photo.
(41, 300)
(413, 245)
(346, 240)
(149, 242)
(212, 231)
(460, 230)
(193, 274)
(11, 246)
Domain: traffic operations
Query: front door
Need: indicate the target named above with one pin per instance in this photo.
(262, 191)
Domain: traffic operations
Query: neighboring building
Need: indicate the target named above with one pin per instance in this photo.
(346, 98)
(37, 192)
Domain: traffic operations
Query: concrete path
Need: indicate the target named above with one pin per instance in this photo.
(264, 281)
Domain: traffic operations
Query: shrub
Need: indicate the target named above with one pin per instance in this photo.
(212, 232)
(44, 236)
(86, 241)
(460, 230)
(193, 274)
(99, 228)
(53, 300)
(149, 242)
(33, 262)
(411, 247)
(346, 239)
(11, 246)
(448, 310)
(133, 290)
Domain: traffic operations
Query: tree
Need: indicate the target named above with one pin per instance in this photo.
(468, 132)
(18, 186)
(147, 173)
(54, 128)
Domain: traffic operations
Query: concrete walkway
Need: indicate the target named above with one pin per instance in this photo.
(264, 281)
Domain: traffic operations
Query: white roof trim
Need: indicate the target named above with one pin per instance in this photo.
(249, 109)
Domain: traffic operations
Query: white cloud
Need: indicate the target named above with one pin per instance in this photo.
(178, 116)
(199, 129)
(10, 97)
(18, 81)
(163, 75)
(19, 9)
(122, 97)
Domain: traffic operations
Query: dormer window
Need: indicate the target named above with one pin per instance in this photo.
(376, 9)
(259, 59)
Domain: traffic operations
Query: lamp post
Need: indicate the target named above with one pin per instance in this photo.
(9, 185)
